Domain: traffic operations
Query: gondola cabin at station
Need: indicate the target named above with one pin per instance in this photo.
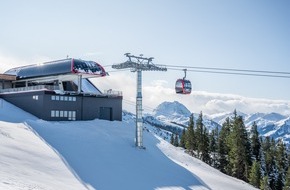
(61, 90)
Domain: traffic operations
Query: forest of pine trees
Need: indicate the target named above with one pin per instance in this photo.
(261, 162)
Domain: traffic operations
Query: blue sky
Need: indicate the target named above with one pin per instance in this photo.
(241, 34)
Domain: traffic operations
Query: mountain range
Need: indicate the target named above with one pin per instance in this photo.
(174, 116)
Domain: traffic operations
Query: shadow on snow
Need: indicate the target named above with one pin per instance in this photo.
(102, 154)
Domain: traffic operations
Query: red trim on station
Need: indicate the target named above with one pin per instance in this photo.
(72, 66)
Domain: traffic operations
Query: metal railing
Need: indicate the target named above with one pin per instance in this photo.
(110, 92)
(29, 88)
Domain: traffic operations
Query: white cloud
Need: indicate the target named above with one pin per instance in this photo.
(89, 54)
(8, 62)
(159, 82)
(210, 103)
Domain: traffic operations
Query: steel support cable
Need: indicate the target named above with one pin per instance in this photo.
(129, 102)
(119, 70)
(234, 73)
(106, 65)
(244, 72)
(134, 104)
(230, 69)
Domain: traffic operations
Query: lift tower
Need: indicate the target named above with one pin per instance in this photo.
(139, 64)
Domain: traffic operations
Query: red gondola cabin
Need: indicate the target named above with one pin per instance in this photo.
(183, 86)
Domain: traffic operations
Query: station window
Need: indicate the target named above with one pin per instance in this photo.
(56, 113)
(70, 115)
(64, 113)
(52, 113)
(63, 98)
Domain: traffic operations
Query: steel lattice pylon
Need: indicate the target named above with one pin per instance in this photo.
(139, 64)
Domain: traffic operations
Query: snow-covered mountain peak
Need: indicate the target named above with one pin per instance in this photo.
(221, 117)
(174, 117)
(282, 122)
(127, 116)
(169, 109)
(254, 116)
(274, 117)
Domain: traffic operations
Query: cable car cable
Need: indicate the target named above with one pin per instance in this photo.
(234, 73)
(224, 71)
(234, 70)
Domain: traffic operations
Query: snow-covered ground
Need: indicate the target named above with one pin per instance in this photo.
(36, 154)
(27, 162)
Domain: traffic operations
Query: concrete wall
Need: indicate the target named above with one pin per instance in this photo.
(92, 107)
(31, 102)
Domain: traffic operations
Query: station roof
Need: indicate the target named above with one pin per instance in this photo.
(56, 68)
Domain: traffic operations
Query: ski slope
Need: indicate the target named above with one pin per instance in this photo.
(98, 154)
(26, 161)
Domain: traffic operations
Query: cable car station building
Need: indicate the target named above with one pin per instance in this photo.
(61, 91)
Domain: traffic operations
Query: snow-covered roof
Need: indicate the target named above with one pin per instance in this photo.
(59, 67)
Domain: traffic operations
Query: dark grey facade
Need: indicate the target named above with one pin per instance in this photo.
(60, 90)
(50, 106)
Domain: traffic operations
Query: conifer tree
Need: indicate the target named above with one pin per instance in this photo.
(172, 139)
(223, 148)
(262, 160)
(282, 164)
(255, 142)
(175, 140)
(213, 146)
(205, 153)
(279, 183)
(190, 137)
(202, 140)
(267, 159)
(239, 155)
(287, 182)
(182, 139)
(235, 114)
(265, 184)
(270, 162)
(255, 174)
(199, 134)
